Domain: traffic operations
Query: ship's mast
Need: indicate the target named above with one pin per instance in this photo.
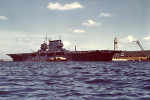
(46, 38)
(46, 41)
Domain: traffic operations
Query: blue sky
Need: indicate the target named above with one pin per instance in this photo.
(87, 24)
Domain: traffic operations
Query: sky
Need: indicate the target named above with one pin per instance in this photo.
(87, 24)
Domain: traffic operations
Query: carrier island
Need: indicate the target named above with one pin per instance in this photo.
(54, 51)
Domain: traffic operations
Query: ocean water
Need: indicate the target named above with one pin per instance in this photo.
(74, 80)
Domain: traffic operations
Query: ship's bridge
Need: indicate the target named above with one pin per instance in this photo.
(55, 46)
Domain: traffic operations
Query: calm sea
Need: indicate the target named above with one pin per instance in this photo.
(74, 80)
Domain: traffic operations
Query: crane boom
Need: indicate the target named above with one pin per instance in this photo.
(139, 45)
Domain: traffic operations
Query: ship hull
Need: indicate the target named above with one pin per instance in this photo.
(93, 56)
(97, 55)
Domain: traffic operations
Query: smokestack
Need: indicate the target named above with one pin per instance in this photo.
(75, 48)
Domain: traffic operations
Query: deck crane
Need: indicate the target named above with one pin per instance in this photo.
(139, 44)
(144, 53)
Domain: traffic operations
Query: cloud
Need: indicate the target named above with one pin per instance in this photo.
(25, 39)
(66, 43)
(70, 29)
(91, 23)
(58, 6)
(128, 39)
(147, 38)
(120, 46)
(105, 15)
(76, 30)
(3, 18)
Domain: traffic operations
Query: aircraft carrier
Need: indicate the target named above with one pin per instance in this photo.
(54, 51)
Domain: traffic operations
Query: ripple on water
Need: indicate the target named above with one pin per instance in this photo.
(75, 80)
(96, 81)
(80, 68)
